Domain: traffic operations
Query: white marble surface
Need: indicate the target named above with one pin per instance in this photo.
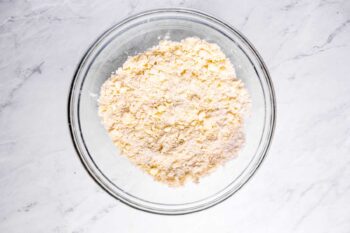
(304, 184)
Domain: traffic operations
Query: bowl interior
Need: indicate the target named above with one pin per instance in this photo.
(118, 175)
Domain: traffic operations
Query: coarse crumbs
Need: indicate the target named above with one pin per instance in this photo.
(176, 110)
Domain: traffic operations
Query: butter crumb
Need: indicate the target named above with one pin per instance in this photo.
(176, 110)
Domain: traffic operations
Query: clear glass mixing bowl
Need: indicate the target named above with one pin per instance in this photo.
(103, 160)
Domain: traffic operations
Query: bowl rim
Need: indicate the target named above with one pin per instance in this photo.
(149, 209)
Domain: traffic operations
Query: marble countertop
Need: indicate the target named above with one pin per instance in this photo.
(304, 183)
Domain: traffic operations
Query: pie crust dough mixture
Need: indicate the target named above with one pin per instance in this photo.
(176, 110)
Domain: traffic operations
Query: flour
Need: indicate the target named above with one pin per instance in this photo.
(176, 110)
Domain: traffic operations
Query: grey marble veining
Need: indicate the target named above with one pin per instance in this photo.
(302, 186)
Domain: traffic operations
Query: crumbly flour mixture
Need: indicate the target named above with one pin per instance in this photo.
(176, 110)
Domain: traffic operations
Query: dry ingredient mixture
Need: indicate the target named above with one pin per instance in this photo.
(176, 110)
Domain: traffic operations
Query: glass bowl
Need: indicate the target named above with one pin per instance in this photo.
(102, 159)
